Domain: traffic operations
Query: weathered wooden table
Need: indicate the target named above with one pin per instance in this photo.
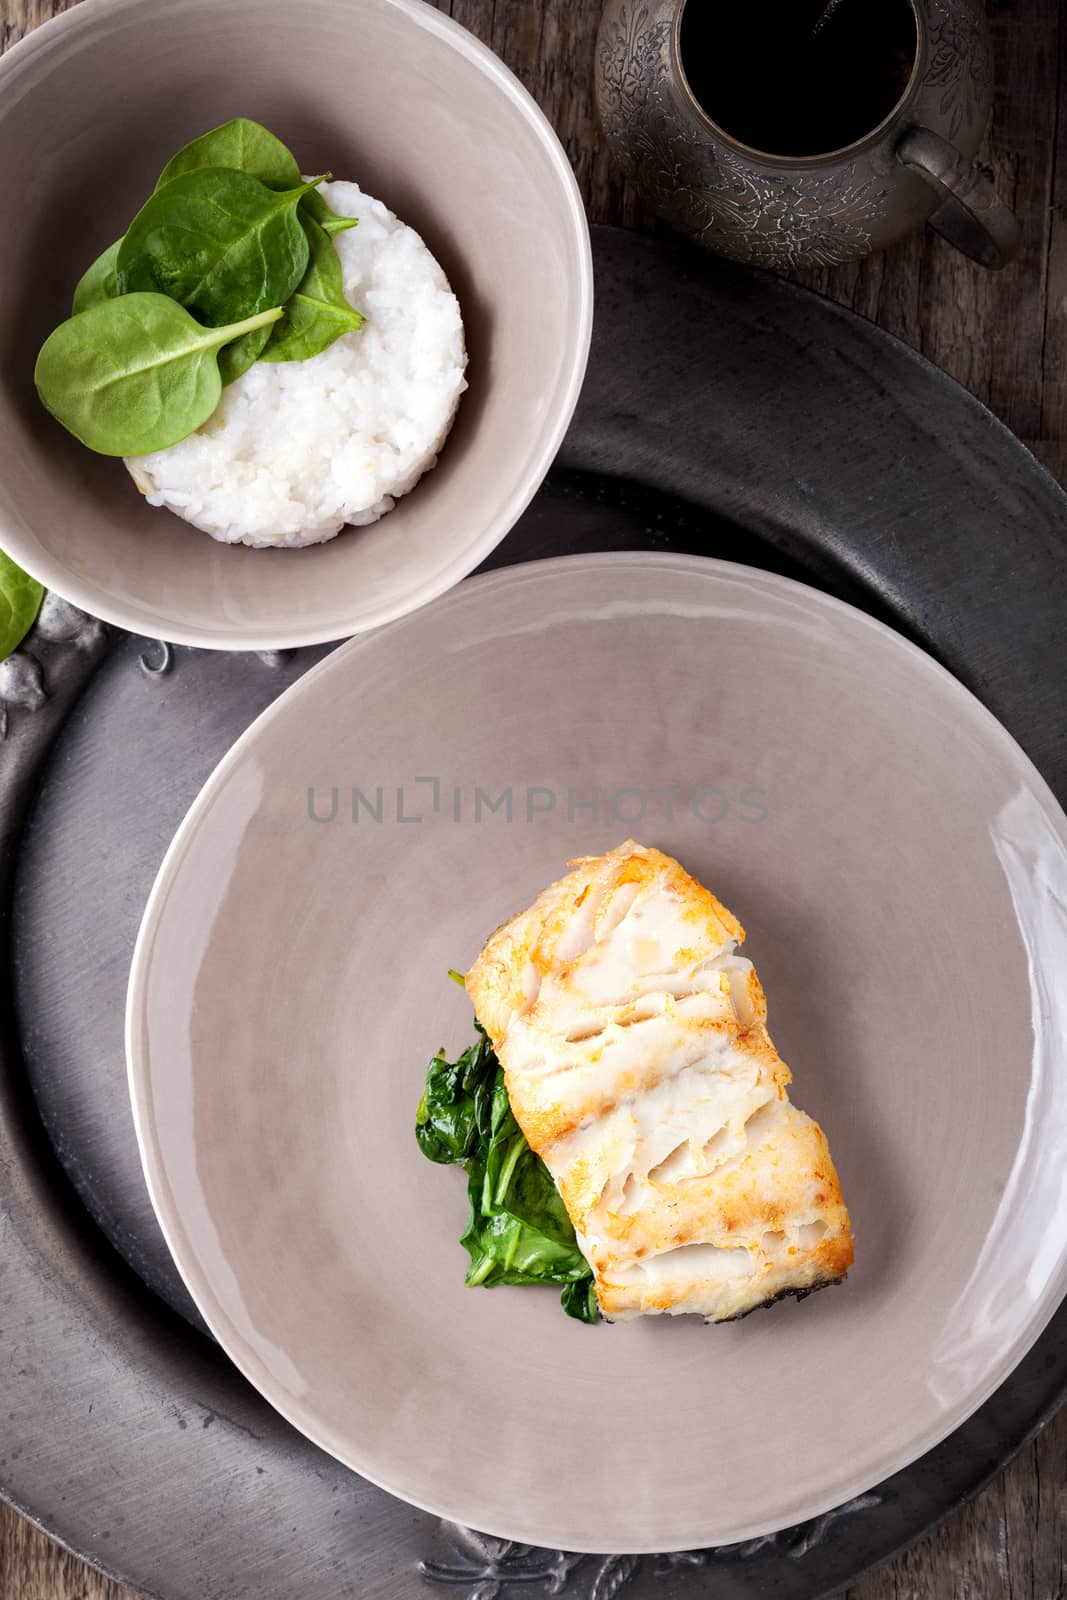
(1004, 337)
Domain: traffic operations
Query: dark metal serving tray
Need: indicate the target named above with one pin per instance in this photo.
(725, 413)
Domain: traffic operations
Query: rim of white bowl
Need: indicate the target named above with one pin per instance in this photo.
(99, 602)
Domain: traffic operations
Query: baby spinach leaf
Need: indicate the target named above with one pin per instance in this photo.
(579, 1300)
(245, 146)
(249, 147)
(518, 1231)
(100, 281)
(219, 242)
(20, 601)
(136, 373)
(236, 358)
(504, 1250)
(317, 312)
(454, 1111)
(315, 206)
(517, 1179)
(242, 144)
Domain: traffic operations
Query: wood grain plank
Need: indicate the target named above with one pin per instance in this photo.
(1022, 155)
(19, 17)
(1053, 431)
(1005, 338)
(986, 329)
(33, 1568)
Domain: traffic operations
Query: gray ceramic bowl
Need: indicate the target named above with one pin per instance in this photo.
(388, 92)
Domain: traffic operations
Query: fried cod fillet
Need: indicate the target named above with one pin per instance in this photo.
(636, 1055)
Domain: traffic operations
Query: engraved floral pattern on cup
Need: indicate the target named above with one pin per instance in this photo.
(632, 57)
(958, 57)
(794, 222)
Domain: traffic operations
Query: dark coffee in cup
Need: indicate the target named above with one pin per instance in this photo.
(798, 77)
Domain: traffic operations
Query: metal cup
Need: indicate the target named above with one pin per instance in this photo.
(913, 165)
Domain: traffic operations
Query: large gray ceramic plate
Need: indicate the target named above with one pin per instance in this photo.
(903, 872)
(725, 414)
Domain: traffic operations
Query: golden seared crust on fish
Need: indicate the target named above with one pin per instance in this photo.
(637, 1059)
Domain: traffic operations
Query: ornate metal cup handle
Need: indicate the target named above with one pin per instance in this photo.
(973, 216)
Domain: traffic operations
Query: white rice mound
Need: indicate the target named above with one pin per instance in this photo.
(297, 449)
